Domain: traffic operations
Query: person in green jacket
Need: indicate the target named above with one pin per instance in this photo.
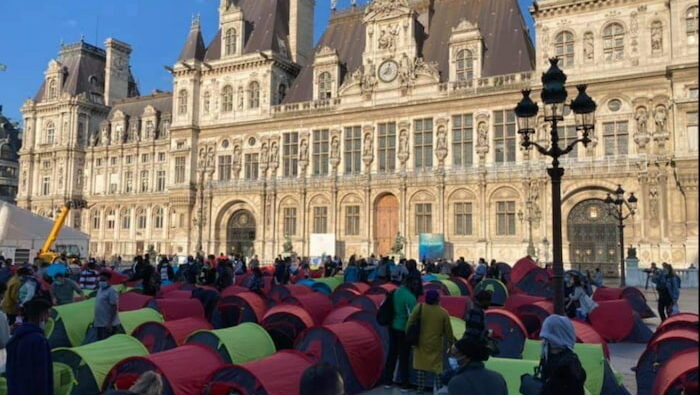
(405, 299)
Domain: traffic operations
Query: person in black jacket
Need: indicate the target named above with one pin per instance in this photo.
(165, 270)
(146, 273)
(561, 369)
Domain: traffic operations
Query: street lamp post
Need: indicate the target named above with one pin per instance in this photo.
(553, 96)
(531, 214)
(615, 210)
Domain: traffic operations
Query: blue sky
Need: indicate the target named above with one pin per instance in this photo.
(156, 29)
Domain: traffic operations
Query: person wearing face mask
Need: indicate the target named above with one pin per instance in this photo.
(466, 358)
(62, 289)
(106, 308)
(29, 368)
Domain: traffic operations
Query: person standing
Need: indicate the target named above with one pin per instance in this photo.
(89, 277)
(106, 308)
(4, 324)
(146, 273)
(435, 328)
(29, 368)
(10, 303)
(674, 289)
(469, 355)
(597, 278)
(63, 290)
(480, 272)
(404, 300)
(165, 270)
(661, 280)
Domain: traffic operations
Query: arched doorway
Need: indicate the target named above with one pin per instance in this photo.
(240, 233)
(593, 238)
(386, 223)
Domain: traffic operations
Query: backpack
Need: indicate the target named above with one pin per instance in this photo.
(385, 313)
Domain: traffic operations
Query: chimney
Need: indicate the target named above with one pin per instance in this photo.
(117, 70)
(301, 30)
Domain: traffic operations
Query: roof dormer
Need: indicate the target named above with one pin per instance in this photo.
(466, 52)
(232, 27)
(53, 80)
(326, 74)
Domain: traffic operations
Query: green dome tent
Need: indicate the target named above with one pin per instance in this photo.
(69, 323)
(326, 285)
(239, 344)
(132, 319)
(458, 326)
(91, 363)
(452, 287)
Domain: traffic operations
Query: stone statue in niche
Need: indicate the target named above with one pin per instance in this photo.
(335, 148)
(387, 38)
(642, 117)
(274, 153)
(367, 145)
(657, 44)
(441, 144)
(653, 202)
(660, 118)
(406, 71)
(369, 78)
(482, 135)
(588, 53)
(403, 142)
(264, 154)
(104, 138)
(303, 150)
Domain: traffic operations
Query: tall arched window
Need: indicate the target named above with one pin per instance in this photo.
(141, 219)
(52, 89)
(614, 42)
(50, 133)
(110, 219)
(691, 24)
(96, 219)
(158, 218)
(230, 41)
(206, 101)
(182, 102)
(464, 65)
(254, 95)
(564, 48)
(227, 99)
(325, 86)
(126, 219)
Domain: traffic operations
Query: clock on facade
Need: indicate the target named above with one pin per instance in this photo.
(388, 71)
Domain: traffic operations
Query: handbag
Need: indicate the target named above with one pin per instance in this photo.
(531, 384)
(413, 331)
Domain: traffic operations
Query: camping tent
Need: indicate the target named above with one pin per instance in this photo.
(184, 369)
(176, 308)
(633, 295)
(368, 302)
(659, 352)
(129, 321)
(679, 375)
(616, 321)
(242, 307)
(344, 296)
(23, 233)
(507, 330)
(279, 293)
(499, 290)
(456, 306)
(326, 285)
(285, 323)
(528, 278)
(317, 304)
(381, 289)
(69, 323)
(512, 370)
(340, 314)
(91, 363)
(465, 287)
(353, 347)
(516, 300)
(161, 336)
(533, 315)
(278, 374)
(588, 335)
(678, 321)
(239, 344)
(359, 287)
(437, 285)
(129, 301)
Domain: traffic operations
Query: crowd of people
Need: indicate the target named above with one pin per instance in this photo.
(417, 331)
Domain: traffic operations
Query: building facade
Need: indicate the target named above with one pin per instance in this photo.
(10, 142)
(398, 121)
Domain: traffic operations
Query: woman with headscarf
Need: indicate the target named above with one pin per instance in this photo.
(435, 328)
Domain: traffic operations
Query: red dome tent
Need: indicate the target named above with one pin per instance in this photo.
(232, 290)
(633, 295)
(659, 352)
(242, 307)
(279, 293)
(344, 296)
(456, 306)
(340, 314)
(436, 285)
(528, 278)
(359, 287)
(285, 323)
(586, 334)
(174, 309)
(278, 374)
(353, 347)
(516, 300)
(498, 289)
(508, 331)
(381, 289)
(678, 321)
(465, 288)
(130, 301)
(318, 305)
(116, 277)
(175, 366)
(615, 321)
(368, 302)
(178, 294)
(533, 315)
(678, 376)
(159, 337)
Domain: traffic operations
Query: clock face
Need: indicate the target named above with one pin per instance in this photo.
(388, 71)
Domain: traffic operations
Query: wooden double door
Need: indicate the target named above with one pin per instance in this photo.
(386, 223)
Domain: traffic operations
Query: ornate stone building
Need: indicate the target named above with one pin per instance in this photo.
(399, 120)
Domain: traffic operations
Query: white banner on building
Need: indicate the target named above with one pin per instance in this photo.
(321, 244)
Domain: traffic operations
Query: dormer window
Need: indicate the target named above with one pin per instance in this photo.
(230, 40)
(325, 86)
(52, 89)
(254, 95)
(465, 65)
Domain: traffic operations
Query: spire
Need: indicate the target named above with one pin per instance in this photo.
(194, 48)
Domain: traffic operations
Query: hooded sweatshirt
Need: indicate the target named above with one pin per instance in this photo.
(29, 370)
(562, 372)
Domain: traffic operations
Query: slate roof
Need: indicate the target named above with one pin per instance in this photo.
(194, 46)
(134, 107)
(508, 48)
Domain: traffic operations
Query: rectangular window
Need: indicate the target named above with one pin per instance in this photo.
(320, 219)
(110, 220)
(692, 130)
(46, 186)
(113, 160)
(98, 162)
(568, 134)
(320, 152)
(353, 150)
(128, 182)
(463, 140)
(615, 138)
(424, 218)
(251, 166)
(160, 181)
(180, 170)
(126, 220)
(463, 219)
(386, 148)
(352, 220)
(225, 167)
(290, 221)
(144, 158)
(161, 157)
(505, 218)
(113, 188)
(144, 181)
(504, 138)
(290, 154)
(423, 144)
(127, 159)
